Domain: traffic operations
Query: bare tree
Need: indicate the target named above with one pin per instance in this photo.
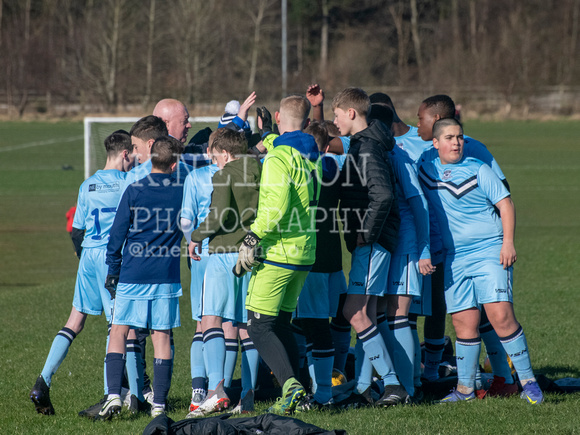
(575, 6)
(195, 43)
(324, 32)
(149, 59)
(416, 37)
(473, 27)
(257, 18)
(397, 10)
(102, 59)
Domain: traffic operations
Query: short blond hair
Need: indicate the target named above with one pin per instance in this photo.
(352, 98)
(295, 108)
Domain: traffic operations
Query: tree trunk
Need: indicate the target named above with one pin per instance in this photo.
(149, 61)
(416, 38)
(111, 84)
(324, 30)
(397, 14)
(573, 39)
(27, 6)
(1, 8)
(456, 39)
(262, 4)
(473, 27)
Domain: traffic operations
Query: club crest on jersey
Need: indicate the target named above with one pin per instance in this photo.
(446, 174)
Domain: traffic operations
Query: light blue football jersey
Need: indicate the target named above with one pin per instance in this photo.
(462, 196)
(197, 191)
(340, 159)
(412, 143)
(414, 146)
(407, 187)
(471, 148)
(139, 172)
(99, 196)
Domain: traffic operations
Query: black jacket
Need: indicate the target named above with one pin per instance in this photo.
(368, 189)
(224, 425)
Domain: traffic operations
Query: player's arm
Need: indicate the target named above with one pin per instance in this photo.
(335, 146)
(408, 182)
(507, 255)
(118, 235)
(498, 195)
(378, 173)
(475, 148)
(274, 196)
(78, 236)
(420, 211)
(79, 223)
(188, 206)
(315, 95)
(220, 201)
(411, 187)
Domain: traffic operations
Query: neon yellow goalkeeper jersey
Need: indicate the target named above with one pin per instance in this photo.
(289, 192)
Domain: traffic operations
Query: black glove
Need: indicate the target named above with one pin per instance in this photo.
(111, 284)
(266, 117)
(248, 254)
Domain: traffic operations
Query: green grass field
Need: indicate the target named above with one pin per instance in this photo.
(38, 269)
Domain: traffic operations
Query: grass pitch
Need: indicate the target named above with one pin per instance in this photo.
(37, 186)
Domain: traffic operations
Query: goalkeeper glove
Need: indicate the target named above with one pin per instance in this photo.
(266, 118)
(248, 254)
(111, 284)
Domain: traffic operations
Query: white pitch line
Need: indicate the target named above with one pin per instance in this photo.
(41, 143)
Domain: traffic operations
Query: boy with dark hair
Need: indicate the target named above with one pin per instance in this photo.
(143, 255)
(463, 192)
(371, 224)
(280, 246)
(96, 207)
(232, 210)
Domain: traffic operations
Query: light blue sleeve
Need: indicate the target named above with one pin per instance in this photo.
(81, 211)
(420, 211)
(406, 174)
(340, 159)
(189, 204)
(491, 184)
(345, 143)
(474, 148)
